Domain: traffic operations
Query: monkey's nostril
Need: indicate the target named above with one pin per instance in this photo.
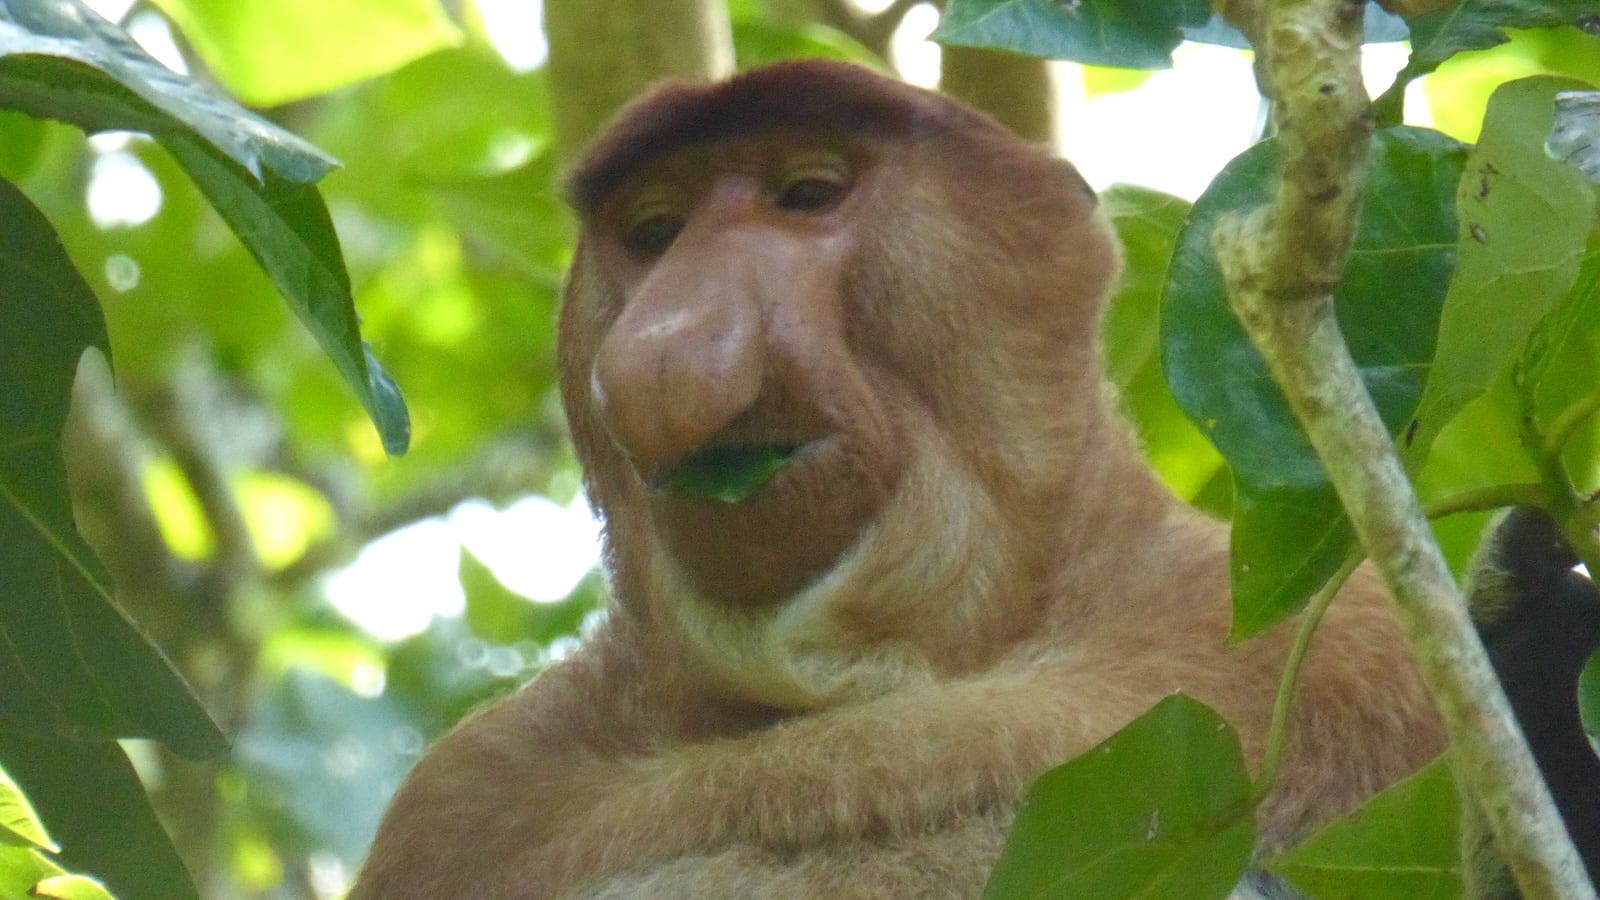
(727, 472)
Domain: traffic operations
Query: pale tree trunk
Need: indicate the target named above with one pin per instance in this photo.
(604, 53)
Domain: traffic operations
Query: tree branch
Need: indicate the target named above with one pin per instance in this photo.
(1282, 264)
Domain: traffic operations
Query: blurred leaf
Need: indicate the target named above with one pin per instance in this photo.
(1524, 221)
(1402, 845)
(73, 665)
(443, 673)
(1474, 25)
(285, 226)
(19, 824)
(260, 50)
(1147, 224)
(1137, 34)
(497, 613)
(1589, 695)
(71, 887)
(21, 868)
(1458, 92)
(1160, 810)
(94, 805)
(60, 60)
(21, 139)
(517, 212)
(285, 516)
(320, 761)
(759, 40)
(1289, 530)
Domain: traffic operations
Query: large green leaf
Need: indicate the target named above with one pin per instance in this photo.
(19, 824)
(91, 799)
(1289, 532)
(285, 226)
(1160, 810)
(71, 663)
(22, 868)
(59, 60)
(1133, 33)
(259, 50)
(1147, 224)
(1475, 25)
(1402, 845)
(1525, 218)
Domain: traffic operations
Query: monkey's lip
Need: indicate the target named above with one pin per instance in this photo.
(731, 472)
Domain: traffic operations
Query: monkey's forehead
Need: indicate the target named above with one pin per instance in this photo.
(800, 95)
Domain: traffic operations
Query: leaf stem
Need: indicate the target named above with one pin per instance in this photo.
(1567, 423)
(1278, 732)
(1486, 499)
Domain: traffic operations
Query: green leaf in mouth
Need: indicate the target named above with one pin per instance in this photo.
(730, 473)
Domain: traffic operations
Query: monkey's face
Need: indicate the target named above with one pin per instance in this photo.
(828, 354)
(724, 375)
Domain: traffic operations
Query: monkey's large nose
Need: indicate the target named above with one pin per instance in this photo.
(682, 361)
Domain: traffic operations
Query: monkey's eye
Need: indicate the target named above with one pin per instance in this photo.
(652, 233)
(812, 189)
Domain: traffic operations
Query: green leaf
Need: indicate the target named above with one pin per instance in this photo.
(259, 50)
(1160, 810)
(71, 887)
(60, 60)
(1138, 34)
(94, 804)
(21, 868)
(19, 824)
(1289, 531)
(1525, 218)
(759, 40)
(1403, 844)
(730, 474)
(71, 662)
(285, 226)
(1147, 224)
(498, 614)
(1474, 25)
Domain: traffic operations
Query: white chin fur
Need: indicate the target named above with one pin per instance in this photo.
(939, 540)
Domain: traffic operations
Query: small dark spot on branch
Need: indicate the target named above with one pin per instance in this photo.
(1411, 431)
(1327, 90)
(1328, 194)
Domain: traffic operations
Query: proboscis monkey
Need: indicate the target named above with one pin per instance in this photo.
(882, 550)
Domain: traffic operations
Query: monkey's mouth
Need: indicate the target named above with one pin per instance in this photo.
(730, 473)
